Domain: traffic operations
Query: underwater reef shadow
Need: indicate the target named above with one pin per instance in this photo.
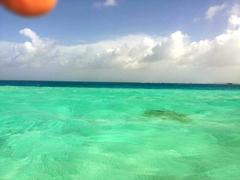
(167, 115)
(2, 141)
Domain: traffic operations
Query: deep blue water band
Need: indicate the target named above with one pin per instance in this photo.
(121, 85)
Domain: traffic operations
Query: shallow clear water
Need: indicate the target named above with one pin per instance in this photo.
(113, 133)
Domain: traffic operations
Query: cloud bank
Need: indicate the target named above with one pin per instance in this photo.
(141, 57)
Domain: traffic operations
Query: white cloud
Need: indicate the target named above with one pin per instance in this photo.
(235, 10)
(214, 10)
(35, 43)
(106, 3)
(234, 21)
(110, 2)
(172, 58)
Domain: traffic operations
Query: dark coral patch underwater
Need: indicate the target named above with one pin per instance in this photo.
(167, 115)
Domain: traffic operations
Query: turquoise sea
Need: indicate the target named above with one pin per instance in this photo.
(119, 131)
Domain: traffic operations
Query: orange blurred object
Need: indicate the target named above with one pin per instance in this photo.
(29, 8)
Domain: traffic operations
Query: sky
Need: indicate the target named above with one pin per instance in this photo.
(124, 40)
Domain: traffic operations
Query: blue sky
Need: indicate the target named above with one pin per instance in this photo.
(195, 41)
(74, 21)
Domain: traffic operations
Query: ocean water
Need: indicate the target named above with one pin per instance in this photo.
(104, 131)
